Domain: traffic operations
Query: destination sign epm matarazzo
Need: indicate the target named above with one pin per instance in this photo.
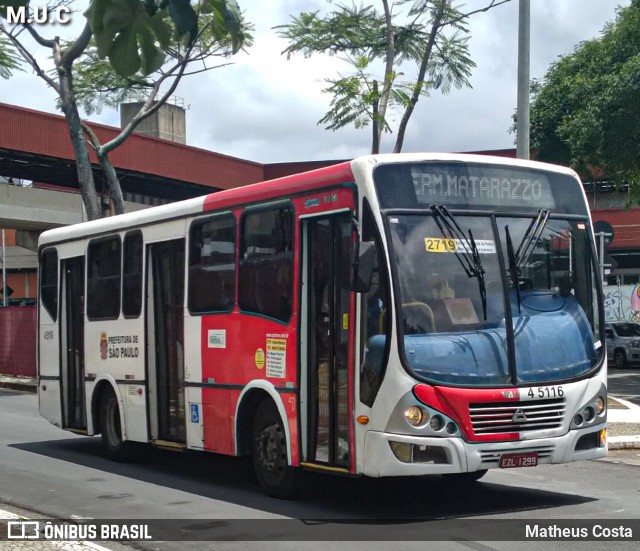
(488, 186)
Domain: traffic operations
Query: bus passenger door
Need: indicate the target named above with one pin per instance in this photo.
(74, 415)
(165, 341)
(327, 314)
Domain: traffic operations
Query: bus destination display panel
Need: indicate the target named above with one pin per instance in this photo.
(469, 185)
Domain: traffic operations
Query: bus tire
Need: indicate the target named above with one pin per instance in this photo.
(619, 359)
(269, 450)
(115, 448)
(465, 478)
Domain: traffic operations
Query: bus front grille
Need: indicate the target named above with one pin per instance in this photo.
(504, 417)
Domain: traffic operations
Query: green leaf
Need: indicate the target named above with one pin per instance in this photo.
(123, 56)
(585, 111)
(233, 23)
(151, 57)
(161, 29)
(103, 36)
(136, 35)
(184, 18)
(128, 35)
(227, 21)
(9, 59)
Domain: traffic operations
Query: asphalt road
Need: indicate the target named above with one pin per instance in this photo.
(61, 475)
(625, 383)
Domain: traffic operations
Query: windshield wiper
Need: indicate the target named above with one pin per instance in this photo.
(450, 229)
(531, 237)
(514, 271)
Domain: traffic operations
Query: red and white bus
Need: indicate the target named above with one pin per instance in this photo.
(409, 314)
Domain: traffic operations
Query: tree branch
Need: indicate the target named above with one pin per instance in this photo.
(150, 106)
(78, 47)
(26, 55)
(383, 101)
(493, 4)
(39, 39)
(113, 184)
(417, 89)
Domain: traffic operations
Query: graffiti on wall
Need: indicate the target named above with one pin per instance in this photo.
(622, 303)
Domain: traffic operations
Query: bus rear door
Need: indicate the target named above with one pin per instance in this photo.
(74, 416)
(165, 342)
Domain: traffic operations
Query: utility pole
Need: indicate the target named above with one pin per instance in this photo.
(4, 272)
(524, 46)
(604, 268)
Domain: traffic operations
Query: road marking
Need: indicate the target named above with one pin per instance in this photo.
(629, 405)
(65, 545)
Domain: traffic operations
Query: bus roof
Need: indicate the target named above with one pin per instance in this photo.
(268, 190)
(219, 200)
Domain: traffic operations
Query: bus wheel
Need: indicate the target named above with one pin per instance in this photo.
(114, 447)
(464, 478)
(276, 477)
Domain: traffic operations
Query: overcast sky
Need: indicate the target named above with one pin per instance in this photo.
(265, 108)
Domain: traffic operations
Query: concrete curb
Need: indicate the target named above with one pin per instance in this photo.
(19, 383)
(624, 442)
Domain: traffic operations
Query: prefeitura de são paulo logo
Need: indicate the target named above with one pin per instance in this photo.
(103, 345)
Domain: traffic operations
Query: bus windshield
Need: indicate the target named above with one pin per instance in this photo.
(473, 312)
(454, 334)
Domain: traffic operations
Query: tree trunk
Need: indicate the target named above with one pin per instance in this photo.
(80, 150)
(417, 89)
(375, 144)
(383, 102)
(115, 192)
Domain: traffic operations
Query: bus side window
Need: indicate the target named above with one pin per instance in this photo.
(265, 282)
(104, 278)
(132, 275)
(376, 317)
(49, 282)
(212, 264)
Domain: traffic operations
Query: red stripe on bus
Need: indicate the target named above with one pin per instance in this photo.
(281, 187)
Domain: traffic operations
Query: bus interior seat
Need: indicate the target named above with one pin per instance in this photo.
(266, 282)
(418, 318)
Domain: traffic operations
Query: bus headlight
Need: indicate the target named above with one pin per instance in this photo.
(601, 405)
(415, 416)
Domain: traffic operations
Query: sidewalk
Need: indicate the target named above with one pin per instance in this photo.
(623, 424)
(623, 417)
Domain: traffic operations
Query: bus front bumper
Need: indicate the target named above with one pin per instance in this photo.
(389, 454)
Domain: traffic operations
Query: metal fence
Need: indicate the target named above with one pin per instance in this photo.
(18, 341)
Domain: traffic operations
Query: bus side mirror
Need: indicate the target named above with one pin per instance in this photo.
(362, 266)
